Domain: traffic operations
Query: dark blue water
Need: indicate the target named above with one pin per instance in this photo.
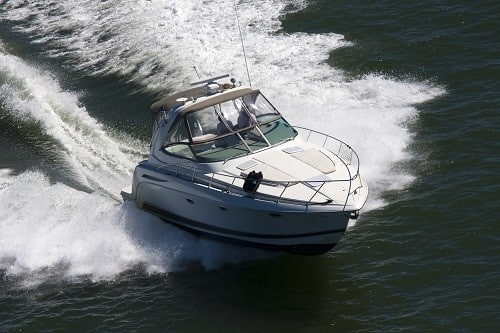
(413, 87)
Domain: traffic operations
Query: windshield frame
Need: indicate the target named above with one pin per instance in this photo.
(209, 146)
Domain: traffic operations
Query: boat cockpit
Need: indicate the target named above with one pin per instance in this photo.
(228, 128)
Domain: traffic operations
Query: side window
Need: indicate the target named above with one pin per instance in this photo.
(258, 106)
(194, 124)
(178, 133)
(177, 140)
(207, 120)
(230, 111)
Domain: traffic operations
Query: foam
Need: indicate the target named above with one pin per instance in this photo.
(156, 44)
(149, 40)
(52, 231)
(94, 158)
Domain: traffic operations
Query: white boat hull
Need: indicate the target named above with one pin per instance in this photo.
(239, 219)
(224, 163)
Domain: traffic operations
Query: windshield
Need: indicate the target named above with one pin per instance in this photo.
(227, 130)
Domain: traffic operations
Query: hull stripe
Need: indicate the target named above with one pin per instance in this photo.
(184, 222)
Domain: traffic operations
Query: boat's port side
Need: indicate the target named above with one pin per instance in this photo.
(295, 244)
(243, 220)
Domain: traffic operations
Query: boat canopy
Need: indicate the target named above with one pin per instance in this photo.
(174, 100)
(199, 97)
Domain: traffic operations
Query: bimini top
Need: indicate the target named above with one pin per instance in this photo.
(200, 97)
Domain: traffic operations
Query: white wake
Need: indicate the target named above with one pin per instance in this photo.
(156, 44)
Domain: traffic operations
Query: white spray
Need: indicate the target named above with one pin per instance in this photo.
(145, 40)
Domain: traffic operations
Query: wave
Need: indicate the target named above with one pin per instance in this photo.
(89, 151)
(156, 44)
(53, 231)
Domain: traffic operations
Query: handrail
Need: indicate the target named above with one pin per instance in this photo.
(344, 152)
(344, 159)
(341, 144)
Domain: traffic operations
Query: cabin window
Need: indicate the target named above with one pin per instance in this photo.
(177, 140)
(256, 104)
(278, 131)
(180, 149)
(203, 122)
(178, 133)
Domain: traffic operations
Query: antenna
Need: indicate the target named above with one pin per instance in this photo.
(242, 44)
(198, 74)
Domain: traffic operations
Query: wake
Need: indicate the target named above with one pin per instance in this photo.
(156, 44)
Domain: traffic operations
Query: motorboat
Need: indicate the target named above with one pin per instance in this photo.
(225, 164)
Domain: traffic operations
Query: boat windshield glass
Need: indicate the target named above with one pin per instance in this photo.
(228, 130)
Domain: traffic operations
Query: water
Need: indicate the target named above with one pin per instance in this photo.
(412, 87)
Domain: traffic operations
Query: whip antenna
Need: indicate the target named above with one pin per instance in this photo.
(242, 44)
(198, 74)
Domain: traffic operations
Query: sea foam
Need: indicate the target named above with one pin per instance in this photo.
(156, 44)
(52, 231)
